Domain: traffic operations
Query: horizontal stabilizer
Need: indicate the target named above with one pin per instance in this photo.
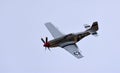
(93, 29)
(86, 26)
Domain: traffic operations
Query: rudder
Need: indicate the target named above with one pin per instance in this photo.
(94, 26)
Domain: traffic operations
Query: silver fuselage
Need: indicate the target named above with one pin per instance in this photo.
(70, 38)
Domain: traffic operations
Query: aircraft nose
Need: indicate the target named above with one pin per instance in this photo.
(47, 44)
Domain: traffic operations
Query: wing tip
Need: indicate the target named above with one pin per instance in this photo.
(48, 23)
(80, 56)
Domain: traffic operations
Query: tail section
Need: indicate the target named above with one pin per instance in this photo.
(93, 28)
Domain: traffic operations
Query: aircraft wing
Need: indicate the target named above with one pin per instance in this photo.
(73, 49)
(53, 30)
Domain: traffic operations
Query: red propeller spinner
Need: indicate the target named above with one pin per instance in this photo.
(46, 43)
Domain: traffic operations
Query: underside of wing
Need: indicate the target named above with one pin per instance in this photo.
(53, 30)
(73, 49)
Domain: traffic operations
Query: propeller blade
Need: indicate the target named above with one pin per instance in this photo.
(45, 48)
(45, 42)
(42, 40)
(49, 49)
(46, 39)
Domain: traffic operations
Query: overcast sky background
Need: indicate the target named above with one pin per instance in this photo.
(22, 26)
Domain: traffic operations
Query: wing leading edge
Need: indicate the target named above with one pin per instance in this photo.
(74, 50)
(53, 30)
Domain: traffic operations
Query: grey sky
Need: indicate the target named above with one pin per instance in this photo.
(22, 26)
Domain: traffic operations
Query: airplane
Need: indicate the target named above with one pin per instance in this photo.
(68, 42)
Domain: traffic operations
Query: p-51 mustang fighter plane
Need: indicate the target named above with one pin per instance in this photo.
(68, 42)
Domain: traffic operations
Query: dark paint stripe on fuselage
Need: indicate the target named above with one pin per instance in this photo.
(68, 38)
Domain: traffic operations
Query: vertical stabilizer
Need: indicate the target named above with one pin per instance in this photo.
(93, 28)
